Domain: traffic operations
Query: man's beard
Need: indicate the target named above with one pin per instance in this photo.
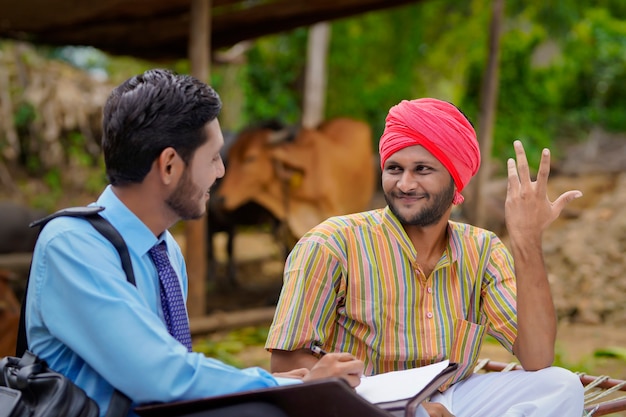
(430, 214)
(184, 201)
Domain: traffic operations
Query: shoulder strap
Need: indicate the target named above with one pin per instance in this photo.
(101, 225)
(120, 404)
(107, 230)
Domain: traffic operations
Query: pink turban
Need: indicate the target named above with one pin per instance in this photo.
(439, 127)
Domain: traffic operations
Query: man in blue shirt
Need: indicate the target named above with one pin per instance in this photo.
(161, 143)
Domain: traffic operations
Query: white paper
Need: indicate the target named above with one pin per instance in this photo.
(398, 385)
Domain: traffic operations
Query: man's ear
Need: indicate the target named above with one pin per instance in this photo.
(168, 165)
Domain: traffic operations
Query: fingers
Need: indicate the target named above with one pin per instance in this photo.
(544, 172)
(519, 172)
(528, 210)
(345, 357)
(352, 370)
(347, 363)
(522, 162)
(568, 196)
(352, 380)
(513, 183)
(290, 374)
(299, 373)
(519, 175)
(342, 365)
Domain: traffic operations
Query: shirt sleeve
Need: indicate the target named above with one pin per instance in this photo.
(83, 300)
(306, 309)
(499, 296)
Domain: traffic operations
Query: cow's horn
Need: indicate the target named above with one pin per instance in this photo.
(278, 136)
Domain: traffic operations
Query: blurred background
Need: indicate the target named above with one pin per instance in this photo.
(551, 73)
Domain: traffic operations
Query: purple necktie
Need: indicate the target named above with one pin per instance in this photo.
(171, 296)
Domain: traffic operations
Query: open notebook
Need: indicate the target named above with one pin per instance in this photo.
(327, 398)
(393, 390)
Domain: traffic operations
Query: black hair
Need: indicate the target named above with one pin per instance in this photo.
(150, 112)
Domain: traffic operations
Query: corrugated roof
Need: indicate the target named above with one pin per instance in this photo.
(159, 29)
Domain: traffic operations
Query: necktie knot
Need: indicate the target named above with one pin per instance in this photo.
(172, 301)
(158, 253)
(159, 249)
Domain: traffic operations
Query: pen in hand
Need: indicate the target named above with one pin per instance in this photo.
(343, 365)
(318, 351)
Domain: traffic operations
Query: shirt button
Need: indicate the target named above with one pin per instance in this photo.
(429, 315)
(430, 290)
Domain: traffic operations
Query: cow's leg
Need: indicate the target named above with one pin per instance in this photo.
(231, 268)
(210, 255)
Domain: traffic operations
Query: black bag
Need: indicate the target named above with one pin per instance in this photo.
(28, 388)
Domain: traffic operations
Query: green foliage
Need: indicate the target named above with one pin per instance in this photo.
(48, 200)
(230, 347)
(490, 340)
(596, 52)
(24, 114)
(399, 55)
(611, 352)
(528, 99)
(562, 71)
(584, 365)
(561, 68)
(119, 69)
(274, 77)
(363, 82)
(76, 149)
(588, 364)
(95, 178)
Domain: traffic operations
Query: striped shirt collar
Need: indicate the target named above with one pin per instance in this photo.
(455, 232)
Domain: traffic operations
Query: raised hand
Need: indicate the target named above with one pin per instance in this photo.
(528, 210)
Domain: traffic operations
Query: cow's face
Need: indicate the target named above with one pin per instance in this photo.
(250, 174)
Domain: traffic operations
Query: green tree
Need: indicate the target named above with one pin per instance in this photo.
(274, 77)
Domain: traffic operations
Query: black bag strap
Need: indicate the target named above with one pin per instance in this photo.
(120, 403)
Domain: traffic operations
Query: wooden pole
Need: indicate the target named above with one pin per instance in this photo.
(488, 105)
(195, 230)
(313, 106)
(223, 320)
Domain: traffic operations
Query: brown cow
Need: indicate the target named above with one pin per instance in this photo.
(9, 315)
(320, 173)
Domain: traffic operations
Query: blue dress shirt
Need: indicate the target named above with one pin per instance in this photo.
(93, 326)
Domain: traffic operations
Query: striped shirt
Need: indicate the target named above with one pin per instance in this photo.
(353, 284)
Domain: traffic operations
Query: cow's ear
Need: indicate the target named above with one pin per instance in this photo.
(294, 157)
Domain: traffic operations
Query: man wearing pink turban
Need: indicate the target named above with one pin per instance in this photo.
(441, 129)
(404, 286)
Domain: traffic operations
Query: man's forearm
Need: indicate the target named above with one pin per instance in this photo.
(536, 317)
(528, 212)
(286, 360)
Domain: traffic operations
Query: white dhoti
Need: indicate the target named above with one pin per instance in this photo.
(550, 392)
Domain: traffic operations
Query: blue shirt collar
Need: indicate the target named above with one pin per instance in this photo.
(138, 237)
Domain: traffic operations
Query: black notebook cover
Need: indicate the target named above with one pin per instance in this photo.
(331, 397)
